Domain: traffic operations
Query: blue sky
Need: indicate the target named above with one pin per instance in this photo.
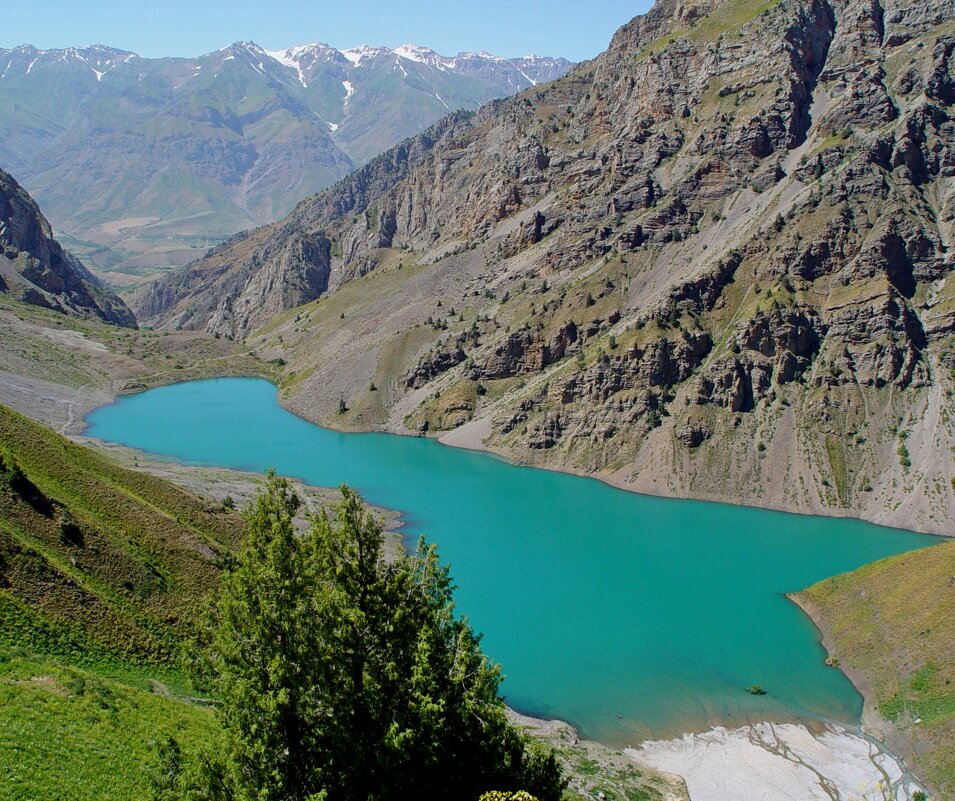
(576, 29)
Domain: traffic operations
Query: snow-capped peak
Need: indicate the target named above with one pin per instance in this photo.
(481, 54)
(287, 58)
(239, 46)
(357, 54)
(313, 50)
(309, 53)
(413, 52)
(100, 59)
(245, 49)
(425, 55)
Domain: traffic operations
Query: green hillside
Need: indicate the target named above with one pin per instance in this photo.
(101, 569)
(96, 557)
(889, 625)
(68, 733)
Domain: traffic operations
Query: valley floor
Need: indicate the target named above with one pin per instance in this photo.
(60, 407)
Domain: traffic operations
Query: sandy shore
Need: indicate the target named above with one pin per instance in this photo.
(62, 408)
(598, 771)
(781, 762)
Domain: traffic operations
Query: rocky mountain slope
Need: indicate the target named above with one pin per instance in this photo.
(36, 269)
(146, 163)
(716, 262)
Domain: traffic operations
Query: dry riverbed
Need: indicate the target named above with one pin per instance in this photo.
(781, 762)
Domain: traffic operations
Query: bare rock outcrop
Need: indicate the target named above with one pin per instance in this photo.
(36, 268)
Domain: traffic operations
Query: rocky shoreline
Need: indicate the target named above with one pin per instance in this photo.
(470, 439)
(64, 408)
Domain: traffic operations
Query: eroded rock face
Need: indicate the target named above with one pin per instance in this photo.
(773, 347)
(434, 364)
(526, 352)
(297, 274)
(777, 346)
(619, 392)
(279, 275)
(39, 271)
(883, 340)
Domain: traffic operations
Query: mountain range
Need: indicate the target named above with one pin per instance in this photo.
(727, 241)
(145, 163)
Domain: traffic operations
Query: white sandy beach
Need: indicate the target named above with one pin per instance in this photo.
(780, 762)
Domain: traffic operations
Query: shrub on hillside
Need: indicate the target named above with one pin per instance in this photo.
(344, 676)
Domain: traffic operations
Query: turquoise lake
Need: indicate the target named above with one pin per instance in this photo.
(627, 615)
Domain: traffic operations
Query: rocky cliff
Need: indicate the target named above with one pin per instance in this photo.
(716, 261)
(36, 269)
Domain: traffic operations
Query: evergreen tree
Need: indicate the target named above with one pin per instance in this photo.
(344, 676)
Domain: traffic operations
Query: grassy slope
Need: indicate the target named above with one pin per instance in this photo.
(69, 733)
(101, 569)
(116, 554)
(891, 627)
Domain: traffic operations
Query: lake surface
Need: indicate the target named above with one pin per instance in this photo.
(625, 614)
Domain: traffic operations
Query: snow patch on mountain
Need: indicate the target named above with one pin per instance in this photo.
(358, 54)
(287, 59)
(415, 53)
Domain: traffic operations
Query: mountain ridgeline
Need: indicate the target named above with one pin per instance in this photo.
(35, 268)
(146, 163)
(725, 241)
